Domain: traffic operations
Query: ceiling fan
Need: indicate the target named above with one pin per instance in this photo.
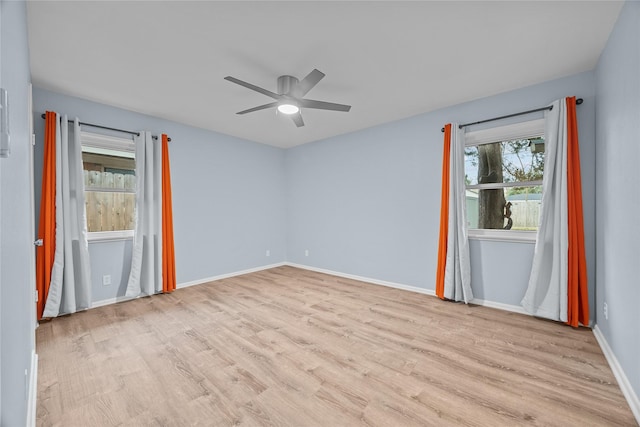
(289, 99)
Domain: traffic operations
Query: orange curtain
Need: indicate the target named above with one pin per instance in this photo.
(444, 214)
(47, 222)
(578, 298)
(168, 255)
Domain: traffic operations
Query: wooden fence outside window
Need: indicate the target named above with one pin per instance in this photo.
(110, 200)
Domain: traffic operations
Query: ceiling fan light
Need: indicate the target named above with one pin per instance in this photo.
(288, 108)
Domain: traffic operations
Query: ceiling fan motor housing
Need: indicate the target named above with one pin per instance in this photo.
(286, 84)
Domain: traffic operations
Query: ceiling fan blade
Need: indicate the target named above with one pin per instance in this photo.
(308, 83)
(297, 119)
(258, 108)
(321, 105)
(253, 87)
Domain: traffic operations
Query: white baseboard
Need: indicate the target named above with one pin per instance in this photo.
(110, 301)
(618, 372)
(500, 306)
(431, 292)
(227, 275)
(365, 279)
(33, 391)
(115, 300)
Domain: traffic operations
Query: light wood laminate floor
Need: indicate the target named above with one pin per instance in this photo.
(290, 347)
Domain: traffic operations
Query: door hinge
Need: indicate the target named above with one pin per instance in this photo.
(38, 242)
(36, 292)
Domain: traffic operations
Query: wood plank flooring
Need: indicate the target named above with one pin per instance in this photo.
(289, 347)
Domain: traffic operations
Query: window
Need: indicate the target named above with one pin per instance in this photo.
(110, 185)
(504, 167)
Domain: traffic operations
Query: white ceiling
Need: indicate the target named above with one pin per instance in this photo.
(389, 60)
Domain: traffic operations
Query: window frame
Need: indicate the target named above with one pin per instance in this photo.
(521, 130)
(106, 142)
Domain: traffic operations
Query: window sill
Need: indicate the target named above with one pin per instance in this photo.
(109, 236)
(510, 236)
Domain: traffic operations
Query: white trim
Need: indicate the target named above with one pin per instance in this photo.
(110, 301)
(119, 299)
(494, 185)
(105, 236)
(500, 306)
(410, 288)
(227, 275)
(511, 236)
(430, 292)
(522, 130)
(33, 390)
(110, 190)
(618, 372)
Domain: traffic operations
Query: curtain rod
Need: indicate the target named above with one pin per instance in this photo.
(108, 128)
(578, 102)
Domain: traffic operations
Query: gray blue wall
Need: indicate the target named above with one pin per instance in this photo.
(365, 203)
(368, 203)
(17, 308)
(617, 191)
(228, 196)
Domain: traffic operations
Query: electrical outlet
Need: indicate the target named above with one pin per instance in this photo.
(605, 311)
(106, 280)
(306, 252)
(268, 253)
